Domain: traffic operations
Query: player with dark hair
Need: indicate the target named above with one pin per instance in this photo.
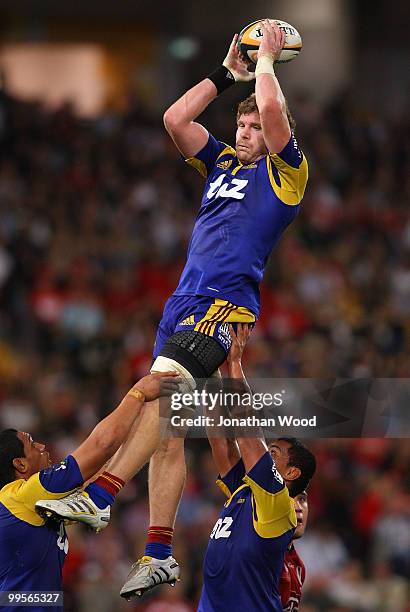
(244, 561)
(252, 193)
(291, 450)
(32, 550)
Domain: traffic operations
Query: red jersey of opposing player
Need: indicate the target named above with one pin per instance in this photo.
(291, 580)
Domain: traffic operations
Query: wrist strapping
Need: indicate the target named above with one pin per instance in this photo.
(264, 65)
(137, 393)
(222, 78)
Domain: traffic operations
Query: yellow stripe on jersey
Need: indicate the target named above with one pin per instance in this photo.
(227, 151)
(20, 496)
(223, 311)
(293, 180)
(225, 490)
(201, 167)
(235, 170)
(198, 165)
(275, 511)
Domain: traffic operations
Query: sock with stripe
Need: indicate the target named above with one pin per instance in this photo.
(104, 489)
(159, 542)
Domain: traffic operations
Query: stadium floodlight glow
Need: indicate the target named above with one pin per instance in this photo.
(183, 47)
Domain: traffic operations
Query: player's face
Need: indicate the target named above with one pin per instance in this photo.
(302, 511)
(37, 458)
(250, 145)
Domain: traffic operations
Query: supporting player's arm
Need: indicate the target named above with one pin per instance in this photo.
(179, 120)
(269, 96)
(109, 434)
(250, 448)
(225, 451)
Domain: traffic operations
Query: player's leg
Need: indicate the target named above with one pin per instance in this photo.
(196, 350)
(144, 437)
(167, 473)
(194, 356)
(139, 445)
(91, 506)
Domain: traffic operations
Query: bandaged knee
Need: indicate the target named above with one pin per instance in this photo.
(165, 364)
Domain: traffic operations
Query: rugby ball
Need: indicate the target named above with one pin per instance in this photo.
(250, 38)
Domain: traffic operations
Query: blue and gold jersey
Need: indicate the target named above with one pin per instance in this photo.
(246, 549)
(32, 552)
(244, 211)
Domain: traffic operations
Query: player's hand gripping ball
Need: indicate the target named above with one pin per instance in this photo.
(250, 38)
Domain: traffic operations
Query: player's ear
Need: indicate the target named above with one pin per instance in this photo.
(292, 473)
(20, 464)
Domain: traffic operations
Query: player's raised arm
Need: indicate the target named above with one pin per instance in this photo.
(188, 135)
(225, 453)
(225, 450)
(179, 120)
(251, 449)
(109, 434)
(269, 97)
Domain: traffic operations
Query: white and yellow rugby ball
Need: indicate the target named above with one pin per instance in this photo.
(250, 38)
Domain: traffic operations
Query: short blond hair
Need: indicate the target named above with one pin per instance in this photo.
(248, 106)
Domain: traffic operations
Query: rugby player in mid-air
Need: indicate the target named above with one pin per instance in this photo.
(32, 550)
(244, 562)
(252, 193)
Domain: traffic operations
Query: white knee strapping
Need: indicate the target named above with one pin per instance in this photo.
(165, 364)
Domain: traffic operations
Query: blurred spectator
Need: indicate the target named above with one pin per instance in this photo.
(323, 552)
(392, 534)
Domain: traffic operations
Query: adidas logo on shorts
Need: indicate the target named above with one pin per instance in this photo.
(188, 321)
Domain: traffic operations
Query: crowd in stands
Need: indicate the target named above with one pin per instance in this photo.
(95, 217)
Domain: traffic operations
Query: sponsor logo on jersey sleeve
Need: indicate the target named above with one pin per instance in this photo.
(56, 467)
(276, 474)
(224, 165)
